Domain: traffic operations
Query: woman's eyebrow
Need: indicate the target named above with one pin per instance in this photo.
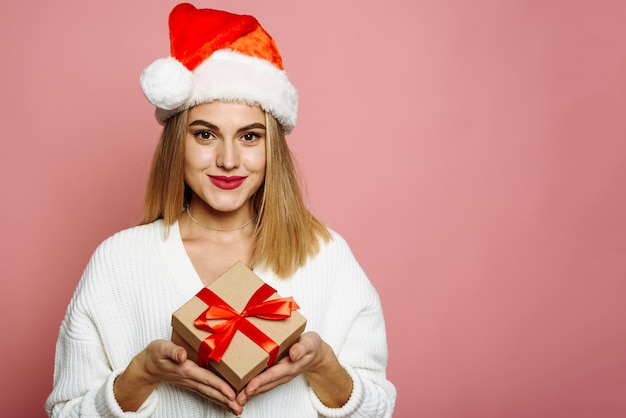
(251, 126)
(209, 125)
(204, 123)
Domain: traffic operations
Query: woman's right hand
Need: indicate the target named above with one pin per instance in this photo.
(164, 361)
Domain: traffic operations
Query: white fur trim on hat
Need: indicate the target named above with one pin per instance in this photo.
(228, 76)
(167, 83)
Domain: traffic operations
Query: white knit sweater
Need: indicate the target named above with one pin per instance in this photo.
(137, 278)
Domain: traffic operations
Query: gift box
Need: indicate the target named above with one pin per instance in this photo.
(237, 326)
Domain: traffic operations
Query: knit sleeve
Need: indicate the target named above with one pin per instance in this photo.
(363, 350)
(83, 377)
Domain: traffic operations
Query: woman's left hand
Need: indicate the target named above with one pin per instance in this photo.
(314, 358)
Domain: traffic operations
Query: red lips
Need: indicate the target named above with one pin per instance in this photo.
(227, 182)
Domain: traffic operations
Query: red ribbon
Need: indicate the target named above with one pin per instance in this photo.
(214, 346)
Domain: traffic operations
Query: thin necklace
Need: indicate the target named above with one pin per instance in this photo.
(216, 229)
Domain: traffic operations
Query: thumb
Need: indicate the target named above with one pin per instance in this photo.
(296, 352)
(180, 355)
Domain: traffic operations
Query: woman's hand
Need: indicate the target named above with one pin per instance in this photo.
(312, 357)
(164, 361)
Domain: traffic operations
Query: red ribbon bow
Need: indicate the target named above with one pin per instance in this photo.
(214, 346)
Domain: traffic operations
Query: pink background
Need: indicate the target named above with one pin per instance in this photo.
(472, 153)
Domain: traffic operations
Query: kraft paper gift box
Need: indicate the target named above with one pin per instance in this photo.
(256, 340)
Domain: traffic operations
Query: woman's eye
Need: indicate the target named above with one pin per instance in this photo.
(204, 135)
(250, 136)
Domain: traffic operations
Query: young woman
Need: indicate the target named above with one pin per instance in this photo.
(222, 189)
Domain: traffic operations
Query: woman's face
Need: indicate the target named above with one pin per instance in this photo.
(225, 154)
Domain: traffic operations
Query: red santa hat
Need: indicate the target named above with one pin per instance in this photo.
(216, 55)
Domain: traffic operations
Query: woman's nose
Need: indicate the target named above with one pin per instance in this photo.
(227, 155)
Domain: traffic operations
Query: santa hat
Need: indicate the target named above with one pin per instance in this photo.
(218, 55)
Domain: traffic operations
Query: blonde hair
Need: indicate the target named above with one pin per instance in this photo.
(287, 233)
(166, 185)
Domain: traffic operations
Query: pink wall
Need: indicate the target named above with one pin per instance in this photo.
(471, 152)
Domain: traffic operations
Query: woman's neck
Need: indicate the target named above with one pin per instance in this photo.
(205, 217)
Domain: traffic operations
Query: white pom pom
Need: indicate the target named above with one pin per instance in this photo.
(167, 83)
